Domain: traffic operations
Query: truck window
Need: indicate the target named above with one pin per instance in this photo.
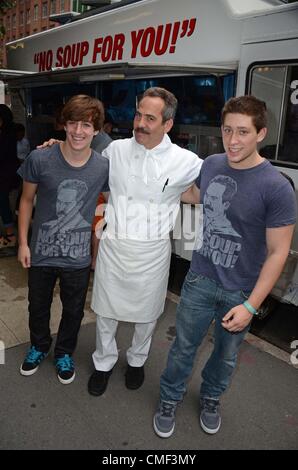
(200, 100)
(277, 85)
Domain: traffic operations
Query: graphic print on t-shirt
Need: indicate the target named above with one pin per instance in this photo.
(221, 242)
(69, 234)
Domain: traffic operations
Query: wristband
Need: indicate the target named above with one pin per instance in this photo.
(250, 308)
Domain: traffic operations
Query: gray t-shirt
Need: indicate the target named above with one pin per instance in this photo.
(100, 141)
(238, 207)
(65, 206)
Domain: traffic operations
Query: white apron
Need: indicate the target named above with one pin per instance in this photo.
(130, 282)
(132, 267)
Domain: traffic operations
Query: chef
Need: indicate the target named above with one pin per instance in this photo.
(148, 174)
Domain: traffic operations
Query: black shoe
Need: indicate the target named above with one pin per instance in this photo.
(32, 360)
(65, 369)
(98, 382)
(134, 377)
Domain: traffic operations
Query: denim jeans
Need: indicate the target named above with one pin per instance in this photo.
(73, 290)
(202, 300)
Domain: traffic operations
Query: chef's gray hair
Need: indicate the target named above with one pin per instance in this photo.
(169, 99)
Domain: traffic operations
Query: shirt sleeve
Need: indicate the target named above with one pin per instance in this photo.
(198, 179)
(30, 168)
(107, 152)
(282, 208)
(191, 170)
(106, 187)
(195, 170)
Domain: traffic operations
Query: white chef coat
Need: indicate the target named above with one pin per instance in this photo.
(131, 275)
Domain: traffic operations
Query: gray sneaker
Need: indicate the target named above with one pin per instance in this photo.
(164, 418)
(210, 419)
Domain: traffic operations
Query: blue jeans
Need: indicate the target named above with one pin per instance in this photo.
(202, 300)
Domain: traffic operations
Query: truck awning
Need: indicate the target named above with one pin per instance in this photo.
(120, 71)
(6, 74)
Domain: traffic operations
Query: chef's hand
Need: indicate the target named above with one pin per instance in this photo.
(49, 143)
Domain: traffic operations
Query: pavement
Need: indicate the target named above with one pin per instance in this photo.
(259, 410)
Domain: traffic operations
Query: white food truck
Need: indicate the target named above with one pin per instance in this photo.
(204, 51)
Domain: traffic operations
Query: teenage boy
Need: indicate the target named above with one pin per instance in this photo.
(67, 179)
(249, 217)
(148, 174)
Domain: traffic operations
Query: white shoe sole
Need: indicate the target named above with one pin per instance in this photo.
(28, 372)
(160, 433)
(208, 430)
(68, 381)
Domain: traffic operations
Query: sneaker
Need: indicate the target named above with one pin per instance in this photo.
(210, 419)
(65, 369)
(9, 241)
(98, 382)
(32, 360)
(134, 377)
(164, 419)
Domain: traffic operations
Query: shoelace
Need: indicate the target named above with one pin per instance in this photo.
(33, 355)
(65, 363)
(210, 405)
(167, 409)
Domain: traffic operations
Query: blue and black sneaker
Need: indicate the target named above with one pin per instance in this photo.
(32, 360)
(65, 369)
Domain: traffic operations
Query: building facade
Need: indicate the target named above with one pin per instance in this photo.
(32, 16)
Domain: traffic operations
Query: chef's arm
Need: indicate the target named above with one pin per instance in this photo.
(106, 196)
(98, 227)
(192, 195)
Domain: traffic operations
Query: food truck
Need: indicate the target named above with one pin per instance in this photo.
(204, 51)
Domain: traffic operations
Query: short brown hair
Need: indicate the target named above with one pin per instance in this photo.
(169, 99)
(249, 105)
(84, 108)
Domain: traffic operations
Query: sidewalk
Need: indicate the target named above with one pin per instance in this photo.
(259, 411)
(14, 304)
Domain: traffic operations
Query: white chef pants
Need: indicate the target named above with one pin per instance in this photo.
(106, 354)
